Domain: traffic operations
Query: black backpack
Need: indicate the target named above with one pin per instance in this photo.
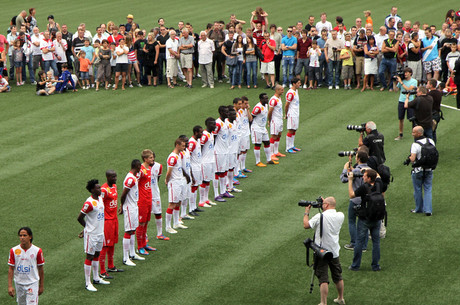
(375, 204)
(429, 156)
(383, 171)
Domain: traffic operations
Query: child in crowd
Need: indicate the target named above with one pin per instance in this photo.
(113, 60)
(84, 69)
(313, 70)
(452, 57)
(96, 59)
(65, 81)
(347, 65)
(18, 58)
(41, 83)
(4, 86)
(367, 14)
(450, 87)
(103, 72)
(50, 82)
(89, 51)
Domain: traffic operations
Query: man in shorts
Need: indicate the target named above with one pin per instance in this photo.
(194, 146)
(431, 61)
(156, 171)
(245, 134)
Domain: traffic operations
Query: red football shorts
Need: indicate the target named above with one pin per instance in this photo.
(110, 232)
(145, 212)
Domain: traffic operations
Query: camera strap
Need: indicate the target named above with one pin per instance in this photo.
(320, 236)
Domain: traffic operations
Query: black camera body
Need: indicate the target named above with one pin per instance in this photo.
(410, 92)
(400, 74)
(314, 204)
(319, 251)
(358, 128)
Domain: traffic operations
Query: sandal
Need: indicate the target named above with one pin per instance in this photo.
(171, 86)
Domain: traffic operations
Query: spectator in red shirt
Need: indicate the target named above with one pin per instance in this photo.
(267, 66)
(303, 44)
(258, 34)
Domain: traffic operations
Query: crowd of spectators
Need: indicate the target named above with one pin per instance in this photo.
(361, 55)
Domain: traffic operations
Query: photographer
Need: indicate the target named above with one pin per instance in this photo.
(374, 141)
(361, 159)
(437, 99)
(328, 223)
(423, 105)
(405, 85)
(372, 183)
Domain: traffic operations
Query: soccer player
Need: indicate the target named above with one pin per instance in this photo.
(194, 146)
(232, 148)
(157, 170)
(109, 196)
(186, 166)
(208, 160)
(259, 132)
(245, 120)
(221, 153)
(93, 212)
(145, 201)
(275, 119)
(26, 267)
(176, 181)
(292, 114)
(130, 211)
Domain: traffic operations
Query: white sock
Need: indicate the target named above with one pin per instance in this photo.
(237, 166)
(95, 267)
(175, 217)
(230, 180)
(168, 220)
(288, 142)
(126, 243)
(192, 205)
(206, 193)
(222, 184)
(272, 149)
(87, 274)
(159, 223)
(183, 210)
(215, 183)
(257, 155)
(267, 153)
(243, 160)
(276, 146)
(132, 243)
(292, 140)
(202, 191)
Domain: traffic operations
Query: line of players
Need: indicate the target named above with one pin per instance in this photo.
(217, 154)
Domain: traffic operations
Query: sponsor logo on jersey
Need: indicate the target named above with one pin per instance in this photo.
(17, 251)
(23, 268)
(94, 203)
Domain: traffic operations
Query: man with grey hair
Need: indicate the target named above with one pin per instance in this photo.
(21, 19)
(374, 141)
(35, 40)
(388, 63)
(172, 56)
(206, 48)
(186, 49)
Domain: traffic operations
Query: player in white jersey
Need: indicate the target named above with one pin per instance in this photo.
(156, 171)
(208, 161)
(292, 114)
(91, 217)
(194, 146)
(259, 132)
(130, 211)
(26, 267)
(221, 153)
(232, 148)
(176, 180)
(275, 119)
(187, 166)
(244, 126)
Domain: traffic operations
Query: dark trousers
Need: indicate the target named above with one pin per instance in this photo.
(161, 66)
(217, 58)
(444, 70)
(278, 59)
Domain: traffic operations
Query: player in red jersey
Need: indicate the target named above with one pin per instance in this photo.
(145, 201)
(93, 212)
(109, 196)
(275, 119)
(26, 267)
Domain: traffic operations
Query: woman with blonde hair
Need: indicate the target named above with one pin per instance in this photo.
(132, 61)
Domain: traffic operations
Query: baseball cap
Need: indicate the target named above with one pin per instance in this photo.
(130, 16)
(347, 43)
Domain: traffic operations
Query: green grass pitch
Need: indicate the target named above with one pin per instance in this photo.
(248, 250)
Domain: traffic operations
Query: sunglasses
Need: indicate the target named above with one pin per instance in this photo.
(289, 31)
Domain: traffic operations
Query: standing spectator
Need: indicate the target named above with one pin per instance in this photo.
(445, 48)
(401, 59)
(68, 38)
(100, 35)
(250, 60)
(323, 24)
(162, 38)
(393, 14)
(61, 48)
(431, 61)
(218, 36)
(370, 63)
(78, 43)
(379, 39)
(21, 19)
(186, 49)
(132, 62)
(11, 37)
(172, 56)
(391, 25)
(323, 69)
(388, 63)
(206, 48)
(258, 34)
(289, 47)
(276, 36)
(332, 50)
(115, 37)
(310, 24)
(52, 25)
(152, 52)
(121, 63)
(457, 79)
(33, 21)
(139, 45)
(90, 55)
(130, 23)
(35, 40)
(237, 50)
(48, 49)
(406, 84)
(346, 56)
(104, 71)
(267, 66)
(18, 57)
(314, 74)
(303, 45)
(414, 58)
(231, 59)
(358, 50)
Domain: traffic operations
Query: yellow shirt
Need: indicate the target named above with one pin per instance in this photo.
(348, 61)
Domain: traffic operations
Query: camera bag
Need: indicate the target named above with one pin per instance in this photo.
(429, 156)
(375, 204)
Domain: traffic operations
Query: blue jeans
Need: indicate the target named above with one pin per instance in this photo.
(323, 72)
(251, 66)
(334, 66)
(390, 65)
(50, 63)
(428, 132)
(352, 228)
(288, 69)
(236, 79)
(374, 228)
(422, 198)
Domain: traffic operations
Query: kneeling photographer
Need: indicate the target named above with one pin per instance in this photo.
(327, 228)
(423, 110)
(374, 141)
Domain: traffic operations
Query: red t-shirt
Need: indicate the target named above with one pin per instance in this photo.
(109, 197)
(259, 36)
(145, 189)
(303, 47)
(269, 54)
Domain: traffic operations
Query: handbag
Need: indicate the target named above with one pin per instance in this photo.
(259, 53)
(232, 61)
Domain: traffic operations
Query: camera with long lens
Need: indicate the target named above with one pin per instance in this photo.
(358, 128)
(413, 120)
(399, 73)
(410, 92)
(319, 251)
(346, 153)
(407, 161)
(314, 204)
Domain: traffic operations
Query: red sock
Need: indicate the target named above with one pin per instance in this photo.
(139, 236)
(256, 147)
(110, 251)
(88, 262)
(272, 140)
(102, 259)
(145, 234)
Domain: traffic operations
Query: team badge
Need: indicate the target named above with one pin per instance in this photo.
(94, 203)
(17, 251)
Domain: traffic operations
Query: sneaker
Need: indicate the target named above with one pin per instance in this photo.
(136, 257)
(198, 210)
(235, 182)
(33, 83)
(427, 214)
(349, 246)
(171, 231)
(296, 149)
(304, 86)
(162, 237)
(241, 175)
(204, 86)
(273, 157)
(220, 199)
(91, 288)
(101, 282)
(115, 269)
(227, 195)
(353, 269)
(143, 251)
(291, 151)
(210, 203)
(247, 170)
(284, 86)
(211, 86)
(139, 85)
(278, 154)
(273, 162)
(193, 213)
(206, 205)
(149, 248)
(198, 75)
(129, 262)
(130, 85)
(220, 81)
(398, 138)
(180, 226)
(235, 190)
(260, 164)
(338, 301)
(330, 87)
(337, 87)
(180, 221)
(92, 85)
(201, 204)
(106, 276)
(188, 217)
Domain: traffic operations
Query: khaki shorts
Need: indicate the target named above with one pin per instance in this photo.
(171, 67)
(359, 65)
(186, 61)
(267, 67)
(322, 273)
